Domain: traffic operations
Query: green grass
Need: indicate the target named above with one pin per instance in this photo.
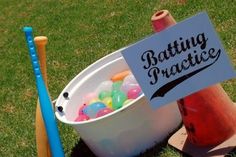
(79, 33)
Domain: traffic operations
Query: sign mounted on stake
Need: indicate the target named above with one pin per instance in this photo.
(179, 61)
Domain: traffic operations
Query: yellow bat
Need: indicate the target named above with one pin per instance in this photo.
(43, 148)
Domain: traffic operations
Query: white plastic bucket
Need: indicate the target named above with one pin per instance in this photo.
(127, 131)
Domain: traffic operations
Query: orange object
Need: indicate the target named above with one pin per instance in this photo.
(43, 148)
(40, 42)
(120, 76)
(209, 115)
(161, 20)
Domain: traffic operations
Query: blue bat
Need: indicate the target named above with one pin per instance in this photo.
(45, 102)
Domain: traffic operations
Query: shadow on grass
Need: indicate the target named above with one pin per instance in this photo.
(157, 149)
(82, 150)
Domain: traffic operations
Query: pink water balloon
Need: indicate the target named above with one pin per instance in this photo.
(81, 118)
(81, 109)
(125, 87)
(134, 92)
(103, 112)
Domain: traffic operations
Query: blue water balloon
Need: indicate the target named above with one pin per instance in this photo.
(92, 109)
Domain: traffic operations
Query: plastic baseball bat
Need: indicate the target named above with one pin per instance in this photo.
(45, 102)
(43, 148)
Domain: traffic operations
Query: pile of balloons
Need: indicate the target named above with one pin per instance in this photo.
(109, 96)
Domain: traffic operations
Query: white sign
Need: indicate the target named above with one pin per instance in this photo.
(179, 61)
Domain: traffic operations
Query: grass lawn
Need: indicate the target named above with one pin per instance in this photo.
(79, 33)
